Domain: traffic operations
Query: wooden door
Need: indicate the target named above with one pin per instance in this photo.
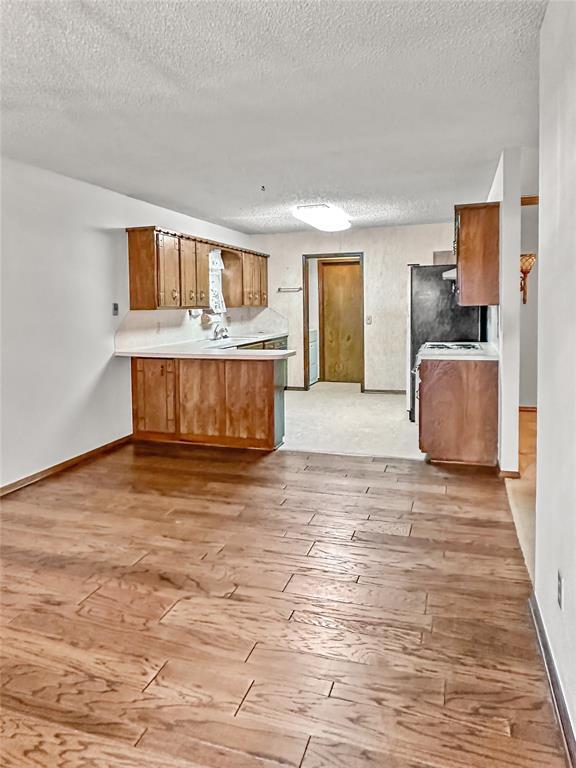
(188, 272)
(202, 399)
(263, 281)
(203, 274)
(478, 254)
(250, 402)
(153, 398)
(341, 321)
(459, 410)
(168, 255)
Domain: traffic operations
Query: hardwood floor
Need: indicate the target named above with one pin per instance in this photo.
(172, 606)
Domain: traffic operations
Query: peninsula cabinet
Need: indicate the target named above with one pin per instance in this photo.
(170, 269)
(238, 403)
(458, 416)
(477, 249)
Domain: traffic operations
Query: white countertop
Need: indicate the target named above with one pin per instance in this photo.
(486, 352)
(207, 349)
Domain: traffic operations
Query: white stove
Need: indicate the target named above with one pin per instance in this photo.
(451, 346)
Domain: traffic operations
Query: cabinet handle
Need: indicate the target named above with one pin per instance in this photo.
(174, 293)
(191, 295)
(202, 294)
(161, 370)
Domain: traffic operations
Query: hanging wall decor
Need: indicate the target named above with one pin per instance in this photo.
(527, 261)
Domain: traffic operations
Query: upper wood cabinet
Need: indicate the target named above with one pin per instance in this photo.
(255, 280)
(194, 273)
(477, 247)
(169, 269)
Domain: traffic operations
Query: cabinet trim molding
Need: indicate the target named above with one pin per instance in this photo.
(198, 239)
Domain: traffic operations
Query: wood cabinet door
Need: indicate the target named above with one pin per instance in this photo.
(248, 279)
(154, 393)
(168, 264)
(188, 272)
(203, 274)
(250, 401)
(459, 410)
(232, 281)
(478, 254)
(263, 281)
(202, 399)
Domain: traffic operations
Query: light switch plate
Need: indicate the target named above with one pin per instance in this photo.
(115, 309)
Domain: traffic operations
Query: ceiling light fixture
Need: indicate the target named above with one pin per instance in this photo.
(322, 216)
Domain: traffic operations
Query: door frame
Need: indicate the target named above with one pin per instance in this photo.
(355, 256)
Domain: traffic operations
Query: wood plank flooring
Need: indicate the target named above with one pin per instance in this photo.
(172, 606)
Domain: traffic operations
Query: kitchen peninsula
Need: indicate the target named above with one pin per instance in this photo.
(210, 392)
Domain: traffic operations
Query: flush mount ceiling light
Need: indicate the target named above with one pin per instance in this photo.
(322, 216)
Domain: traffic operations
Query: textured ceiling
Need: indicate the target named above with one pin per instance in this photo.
(392, 110)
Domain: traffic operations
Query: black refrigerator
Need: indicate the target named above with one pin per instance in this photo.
(434, 315)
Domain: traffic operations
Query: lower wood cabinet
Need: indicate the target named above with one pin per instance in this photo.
(201, 398)
(458, 416)
(154, 396)
(215, 402)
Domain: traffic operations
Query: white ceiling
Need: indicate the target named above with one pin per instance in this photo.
(392, 110)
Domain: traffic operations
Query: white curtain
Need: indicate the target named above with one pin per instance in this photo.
(217, 304)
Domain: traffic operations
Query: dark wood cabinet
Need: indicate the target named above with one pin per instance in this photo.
(477, 247)
(458, 416)
(154, 396)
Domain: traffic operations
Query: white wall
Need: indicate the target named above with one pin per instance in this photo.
(506, 188)
(387, 251)
(529, 313)
(556, 462)
(64, 262)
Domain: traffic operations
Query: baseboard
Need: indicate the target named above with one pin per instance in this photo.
(384, 391)
(296, 389)
(529, 408)
(560, 706)
(17, 484)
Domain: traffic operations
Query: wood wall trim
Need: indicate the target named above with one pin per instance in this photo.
(529, 200)
(529, 408)
(511, 475)
(24, 481)
(560, 704)
(198, 239)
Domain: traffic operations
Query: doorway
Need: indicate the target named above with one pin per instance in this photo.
(333, 318)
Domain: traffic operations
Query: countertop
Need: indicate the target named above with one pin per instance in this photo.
(207, 349)
(486, 352)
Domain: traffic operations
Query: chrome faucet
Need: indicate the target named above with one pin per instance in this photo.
(219, 332)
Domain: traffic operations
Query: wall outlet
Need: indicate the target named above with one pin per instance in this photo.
(368, 319)
(560, 591)
(115, 309)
